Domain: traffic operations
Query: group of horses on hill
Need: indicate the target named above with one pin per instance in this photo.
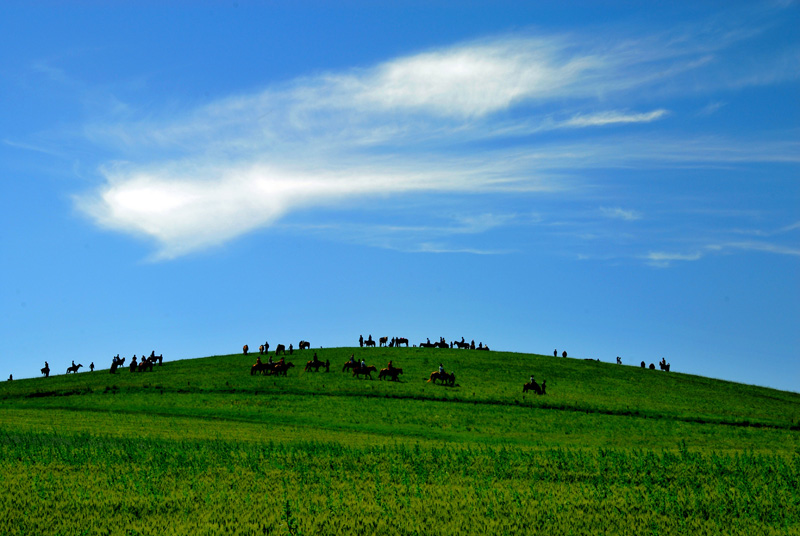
(136, 364)
(663, 365)
(280, 349)
(146, 363)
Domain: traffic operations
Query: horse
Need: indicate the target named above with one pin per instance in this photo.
(366, 371)
(245, 349)
(460, 344)
(280, 348)
(304, 345)
(643, 365)
(483, 348)
(532, 386)
(652, 367)
(369, 342)
(401, 340)
(392, 373)
(74, 368)
(316, 364)
(664, 366)
(383, 341)
(441, 344)
(46, 372)
(145, 364)
(350, 365)
(428, 344)
(443, 377)
(281, 368)
(260, 368)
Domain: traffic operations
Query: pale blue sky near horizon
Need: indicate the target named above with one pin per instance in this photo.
(610, 179)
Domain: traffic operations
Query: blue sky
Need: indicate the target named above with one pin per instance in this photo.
(604, 178)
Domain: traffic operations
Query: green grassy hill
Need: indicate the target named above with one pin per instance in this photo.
(201, 446)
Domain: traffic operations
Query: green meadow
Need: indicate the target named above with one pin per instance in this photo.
(201, 446)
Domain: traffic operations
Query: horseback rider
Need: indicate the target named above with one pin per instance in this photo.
(390, 366)
(532, 380)
(363, 363)
(441, 369)
(270, 362)
(352, 360)
(258, 361)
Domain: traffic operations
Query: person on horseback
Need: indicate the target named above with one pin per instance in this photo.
(390, 366)
(270, 361)
(258, 361)
(532, 380)
(363, 364)
(441, 369)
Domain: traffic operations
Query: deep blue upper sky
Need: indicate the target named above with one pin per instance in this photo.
(606, 179)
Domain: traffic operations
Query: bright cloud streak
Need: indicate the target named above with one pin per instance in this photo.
(245, 162)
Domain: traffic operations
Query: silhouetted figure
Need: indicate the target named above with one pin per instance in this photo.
(10, 377)
(619, 360)
(643, 365)
(361, 341)
(564, 354)
(91, 366)
(555, 352)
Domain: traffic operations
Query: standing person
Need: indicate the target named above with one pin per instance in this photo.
(361, 341)
(91, 366)
(555, 352)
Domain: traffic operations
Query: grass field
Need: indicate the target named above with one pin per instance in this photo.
(202, 447)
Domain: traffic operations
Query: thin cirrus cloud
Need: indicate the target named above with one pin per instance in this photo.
(247, 161)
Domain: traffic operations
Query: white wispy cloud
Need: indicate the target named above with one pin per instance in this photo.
(425, 122)
(620, 213)
(613, 117)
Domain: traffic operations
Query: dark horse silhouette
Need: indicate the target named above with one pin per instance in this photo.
(281, 368)
(401, 340)
(535, 387)
(383, 341)
(316, 364)
(391, 373)
(74, 369)
(350, 365)
(46, 372)
(443, 377)
(280, 348)
(366, 371)
(304, 345)
(369, 342)
(260, 368)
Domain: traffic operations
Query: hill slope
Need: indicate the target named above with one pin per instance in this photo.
(199, 446)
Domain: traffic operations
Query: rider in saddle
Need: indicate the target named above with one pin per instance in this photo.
(270, 361)
(390, 366)
(258, 360)
(441, 369)
(363, 363)
(532, 380)
(352, 359)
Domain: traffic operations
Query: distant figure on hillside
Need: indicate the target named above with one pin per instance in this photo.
(46, 370)
(245, 348)
(291, 349)
(652, 366)
(619, 360)
(555, 352)
(91, 366)
(472, 345)
(10, 377)
(361, 341)
(564, 354)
